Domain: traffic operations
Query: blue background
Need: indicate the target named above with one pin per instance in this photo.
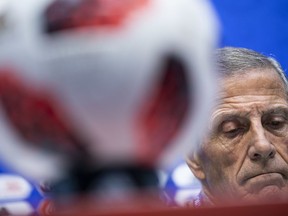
(260, 25)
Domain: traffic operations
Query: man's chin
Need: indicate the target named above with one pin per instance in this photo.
(268, 194)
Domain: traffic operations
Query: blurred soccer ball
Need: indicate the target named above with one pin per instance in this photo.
(110, 81)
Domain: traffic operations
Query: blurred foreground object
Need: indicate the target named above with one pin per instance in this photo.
(18, 196)
(251, 210)
(97, 94)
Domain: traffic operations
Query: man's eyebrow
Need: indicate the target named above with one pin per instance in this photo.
(276, 110)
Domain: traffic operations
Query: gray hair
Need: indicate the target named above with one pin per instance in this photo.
(232, 60)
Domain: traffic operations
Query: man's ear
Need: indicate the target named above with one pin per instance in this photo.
(195, 165)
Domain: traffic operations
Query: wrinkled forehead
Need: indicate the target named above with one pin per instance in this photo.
(253, 82)
(251, 92)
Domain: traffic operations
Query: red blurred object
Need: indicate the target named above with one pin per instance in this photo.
(253, 210)
(33, 113)
(63, 15)
(165, 112)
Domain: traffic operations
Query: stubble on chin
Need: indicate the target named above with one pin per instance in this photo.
(268, 194)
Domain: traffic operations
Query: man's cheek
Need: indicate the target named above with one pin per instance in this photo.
(224, 157)
(282, 148)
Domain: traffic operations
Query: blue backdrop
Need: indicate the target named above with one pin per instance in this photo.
(257, 24)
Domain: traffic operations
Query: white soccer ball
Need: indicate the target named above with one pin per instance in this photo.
(108, 73)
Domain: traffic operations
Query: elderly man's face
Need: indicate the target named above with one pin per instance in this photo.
(246, 153)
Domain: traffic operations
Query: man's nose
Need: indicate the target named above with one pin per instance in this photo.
(261, 148)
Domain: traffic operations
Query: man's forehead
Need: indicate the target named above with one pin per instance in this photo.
(252, 82)
(258, 91)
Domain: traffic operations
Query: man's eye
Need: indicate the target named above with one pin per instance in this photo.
(231, 129)
(276, 124)
(234, 133)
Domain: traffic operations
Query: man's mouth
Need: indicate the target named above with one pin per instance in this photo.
(273, 180)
